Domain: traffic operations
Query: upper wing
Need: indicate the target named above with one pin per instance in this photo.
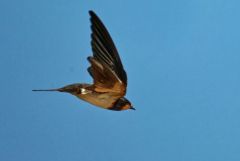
(106, 66)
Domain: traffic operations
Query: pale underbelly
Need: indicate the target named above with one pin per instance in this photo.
(104, 100)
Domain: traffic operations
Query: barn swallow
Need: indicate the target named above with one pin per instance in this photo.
(109, 77)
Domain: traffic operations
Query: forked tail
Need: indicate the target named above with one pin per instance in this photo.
(46, 90)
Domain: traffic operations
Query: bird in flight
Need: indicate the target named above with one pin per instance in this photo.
(109, 77)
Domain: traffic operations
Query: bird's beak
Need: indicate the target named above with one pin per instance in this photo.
(132, 108)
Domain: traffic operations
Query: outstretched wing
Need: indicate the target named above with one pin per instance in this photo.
(106, 66)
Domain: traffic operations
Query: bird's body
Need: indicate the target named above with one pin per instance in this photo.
(109, 77)
(87, 93)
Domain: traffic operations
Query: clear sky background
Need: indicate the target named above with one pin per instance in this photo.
(183, 64)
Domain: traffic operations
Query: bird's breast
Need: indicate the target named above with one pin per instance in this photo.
(104, 100)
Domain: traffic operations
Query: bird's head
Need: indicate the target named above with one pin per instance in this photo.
(122, 104)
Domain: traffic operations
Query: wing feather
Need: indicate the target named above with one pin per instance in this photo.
(106, 66)
(104, 48)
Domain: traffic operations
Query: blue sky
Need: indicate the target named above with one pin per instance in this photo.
(182, 60)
